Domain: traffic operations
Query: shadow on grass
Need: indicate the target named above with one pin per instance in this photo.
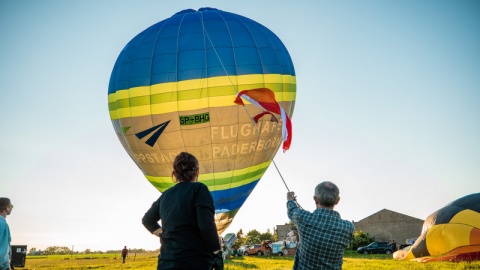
(355, 255)
(243, 265)
(240, 262)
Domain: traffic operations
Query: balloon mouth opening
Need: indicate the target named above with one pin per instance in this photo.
(193, 10)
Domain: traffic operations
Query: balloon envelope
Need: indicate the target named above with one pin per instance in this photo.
(173, 88)
(450, 234)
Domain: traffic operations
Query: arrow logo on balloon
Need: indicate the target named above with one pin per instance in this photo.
(156, 130)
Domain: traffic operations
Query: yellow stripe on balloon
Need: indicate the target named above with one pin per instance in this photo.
(275, 78)
(112, 97)
(191, 84)
(238, 172)
(229, 81)
(251, 79)
(195, 94)
(140, 92)
(245, 181)
(164, 107)
(286, 96)
(221, 101)
(120, 113)
(185, 105)
(123, 94)
(222, 81)
(162, 88)
(165, 182)
(140, 110)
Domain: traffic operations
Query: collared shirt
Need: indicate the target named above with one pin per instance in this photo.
(5, 240)
(323, 237)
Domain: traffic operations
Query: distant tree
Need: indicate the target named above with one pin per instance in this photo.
(360, 239)
(87, 251)
(292, 225)
(50, 250)
(266, 236)
(240, 233)
(32, 251)
(253, 237)
(240, 239)
(56, 250)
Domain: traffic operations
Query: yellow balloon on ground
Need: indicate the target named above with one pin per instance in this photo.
(450, 234)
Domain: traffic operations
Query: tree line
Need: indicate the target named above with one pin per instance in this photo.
(359, 238)
(64, 250)
(252, 237)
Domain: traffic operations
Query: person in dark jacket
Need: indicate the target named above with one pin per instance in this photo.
(124, 253)
(188, 234)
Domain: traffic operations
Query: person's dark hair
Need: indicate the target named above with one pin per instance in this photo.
(327, 193)
(185, 167)
(4, 202)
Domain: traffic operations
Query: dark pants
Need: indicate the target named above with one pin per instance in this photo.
(193, 263)
(217, 261)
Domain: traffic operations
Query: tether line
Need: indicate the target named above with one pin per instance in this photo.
(268, 149)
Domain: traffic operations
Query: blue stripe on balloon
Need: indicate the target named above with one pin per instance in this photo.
(233, 198)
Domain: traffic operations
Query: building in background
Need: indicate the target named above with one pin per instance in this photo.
(287, 232)
(386, 225)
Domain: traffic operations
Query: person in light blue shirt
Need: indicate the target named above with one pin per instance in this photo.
(5, 238)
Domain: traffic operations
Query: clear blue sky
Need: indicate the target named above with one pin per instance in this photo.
(388, 107)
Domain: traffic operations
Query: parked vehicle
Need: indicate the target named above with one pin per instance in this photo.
(257, 249)
(241, 249)
(408, 243)
(290, 248)
(411, 241)
(229, 239)
(281, 248)
(376, 247)
(267, 247)
(277, 248)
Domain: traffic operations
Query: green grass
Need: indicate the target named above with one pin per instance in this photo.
(144, 261)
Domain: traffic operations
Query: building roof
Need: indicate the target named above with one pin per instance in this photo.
(393, 216)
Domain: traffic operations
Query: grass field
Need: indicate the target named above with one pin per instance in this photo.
(144, 261)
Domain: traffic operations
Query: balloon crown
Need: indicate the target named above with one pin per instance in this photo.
(193, 10)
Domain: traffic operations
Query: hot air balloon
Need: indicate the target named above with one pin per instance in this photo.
(212, 83)
(450, 234)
